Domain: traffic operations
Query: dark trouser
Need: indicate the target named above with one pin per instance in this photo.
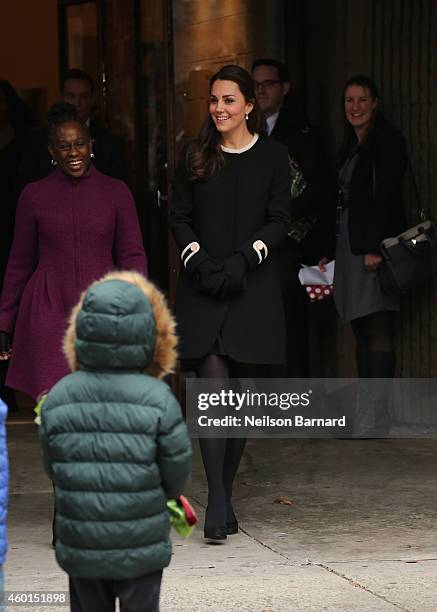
(54, 518)
(135, 594)
(288, 260)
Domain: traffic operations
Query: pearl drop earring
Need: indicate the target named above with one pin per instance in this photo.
(247, 116)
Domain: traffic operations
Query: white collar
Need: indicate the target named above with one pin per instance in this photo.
(243, 149)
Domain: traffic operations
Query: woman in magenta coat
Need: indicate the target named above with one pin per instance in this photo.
(71, 228)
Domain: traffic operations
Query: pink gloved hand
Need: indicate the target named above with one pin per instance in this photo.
(322, 264)
(372, 262)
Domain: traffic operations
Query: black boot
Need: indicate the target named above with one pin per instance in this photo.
(234, 452)
(213, 455)
(382, 365)
(363, 424)
(372, 418)
(362, 360)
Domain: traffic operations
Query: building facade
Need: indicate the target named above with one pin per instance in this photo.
(151, 60)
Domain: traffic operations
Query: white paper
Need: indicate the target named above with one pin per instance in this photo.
(312, 275)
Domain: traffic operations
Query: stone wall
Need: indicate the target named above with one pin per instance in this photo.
(208, 35)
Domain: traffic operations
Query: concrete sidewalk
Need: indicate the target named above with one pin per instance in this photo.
(358, 531)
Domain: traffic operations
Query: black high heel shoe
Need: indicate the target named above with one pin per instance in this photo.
(215, 533)
(232, 528)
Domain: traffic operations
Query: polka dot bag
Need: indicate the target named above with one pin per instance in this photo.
(316, 293)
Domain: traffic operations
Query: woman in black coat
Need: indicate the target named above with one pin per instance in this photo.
(229, 212)
(369, 208)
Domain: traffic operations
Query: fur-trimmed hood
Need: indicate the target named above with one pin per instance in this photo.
(122, 321)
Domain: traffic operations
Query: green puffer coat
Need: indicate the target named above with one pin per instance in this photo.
(114, 440)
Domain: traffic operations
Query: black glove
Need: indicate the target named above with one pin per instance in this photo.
(5, 345)
(210, 278)
(235, 269)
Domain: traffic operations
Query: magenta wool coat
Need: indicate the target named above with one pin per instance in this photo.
(68, 233)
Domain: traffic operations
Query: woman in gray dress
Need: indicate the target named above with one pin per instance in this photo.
(371, 167)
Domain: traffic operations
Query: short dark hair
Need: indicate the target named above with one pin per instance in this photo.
(283, 73)
(62, 112)
(79, 75)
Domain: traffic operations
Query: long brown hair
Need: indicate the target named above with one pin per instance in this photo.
(204, 155)
(350, 144)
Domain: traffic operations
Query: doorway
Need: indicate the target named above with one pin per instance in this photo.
(152, 61)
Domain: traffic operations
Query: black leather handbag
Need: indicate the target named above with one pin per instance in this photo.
(410, 259)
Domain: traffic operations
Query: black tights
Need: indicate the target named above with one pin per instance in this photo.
(221, 456)
(374, 344)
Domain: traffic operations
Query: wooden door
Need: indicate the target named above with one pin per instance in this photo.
(156, 133)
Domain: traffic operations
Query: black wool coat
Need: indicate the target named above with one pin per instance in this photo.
(108, 149)
(375, 191)
(245, 201)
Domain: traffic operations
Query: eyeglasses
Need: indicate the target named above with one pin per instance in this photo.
(68, 146)
(267, 84)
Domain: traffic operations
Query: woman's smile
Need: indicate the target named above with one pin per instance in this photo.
(71, 149)
(227, 106)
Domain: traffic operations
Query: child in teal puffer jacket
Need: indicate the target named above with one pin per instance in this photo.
(116, 446)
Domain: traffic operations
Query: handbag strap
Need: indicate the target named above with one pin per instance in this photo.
(420, 210)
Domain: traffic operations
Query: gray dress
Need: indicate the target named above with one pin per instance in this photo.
(357, 292)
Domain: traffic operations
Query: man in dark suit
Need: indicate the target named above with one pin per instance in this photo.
(308, 170)
(109, 158)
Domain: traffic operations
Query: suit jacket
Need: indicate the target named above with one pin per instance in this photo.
(375, 190)
(246, 200)
(108, 151)
(305, 146)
